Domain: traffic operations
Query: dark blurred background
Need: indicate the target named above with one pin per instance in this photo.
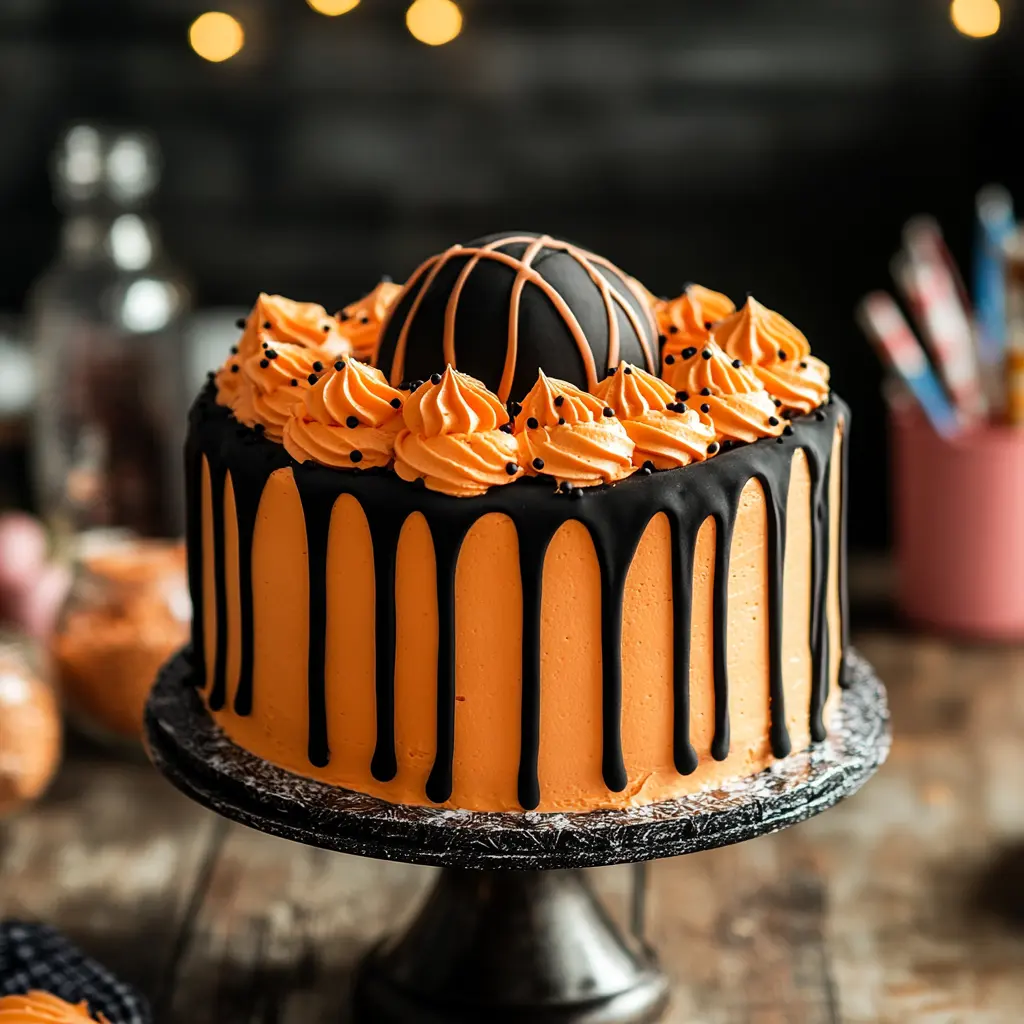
(751, 145)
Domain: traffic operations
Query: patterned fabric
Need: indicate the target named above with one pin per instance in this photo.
(34, 956)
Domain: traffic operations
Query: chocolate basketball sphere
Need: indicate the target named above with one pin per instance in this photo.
(502, 307)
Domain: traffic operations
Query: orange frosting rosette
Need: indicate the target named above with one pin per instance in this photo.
(710, 381)
(453, 438)
(43, 1008)
(778, 353)
(363, 320)
(348, 419)
(572, 436)
(683, 321)
(283, 341)
(664, 431)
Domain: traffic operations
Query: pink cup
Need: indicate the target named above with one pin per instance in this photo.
(959, 526)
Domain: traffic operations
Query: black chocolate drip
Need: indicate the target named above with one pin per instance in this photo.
(616, 518)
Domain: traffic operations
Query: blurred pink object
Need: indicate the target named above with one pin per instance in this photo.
(959, 542)
(31, 589)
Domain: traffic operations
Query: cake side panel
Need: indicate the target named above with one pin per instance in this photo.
(835, 602)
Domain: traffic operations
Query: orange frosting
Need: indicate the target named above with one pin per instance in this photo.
(452, 438)
(778, 353)
(565, 433)
(348, 419)
(683, 321)
(43, 1008)
(362, 320)
(727, 391)
(663, 430)
(290, 337)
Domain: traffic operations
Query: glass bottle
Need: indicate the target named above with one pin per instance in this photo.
(108, 328)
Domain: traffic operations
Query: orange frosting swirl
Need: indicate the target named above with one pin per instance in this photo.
(572, 436)
(348, 419)
(43, 1008)
(664, 432)
(726, 390)
(778, 353)
(362, 320)
(267, 395)
(289, 328)
(453, 439)
(683, 321)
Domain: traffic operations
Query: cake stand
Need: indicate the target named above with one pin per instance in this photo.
(501, 938)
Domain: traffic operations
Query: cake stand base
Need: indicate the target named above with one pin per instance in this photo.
(510, 947)
(511, 933)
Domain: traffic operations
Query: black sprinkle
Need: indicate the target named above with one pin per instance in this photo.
(356, 456)
(343, 316)
(240, 323)
(647, 468)
(351, 421)
(532, 423)
(294, 382)
(787, 430)
(803, 365)
(689, 353)
(736, 363)
(682, 395)
(608, 412)
(819, 416)
(404, 386)
(326, 328)
(435, 378)
(340, 364)
(538, 464)
(234, 369)
(506, 428)
(266, 345)
(782, 356)
(318, 366)
(511, 468)
(708, 324)
(628, 369)
(669, 360)
(610, 372)
(673, 329)
(396, 403)
(312, 378)
(778, 404)
(705, 407)
(267, 325)
(567, 487)
(662, 338)
(773, 421)
(271, 354)
(780, 440)
(706, 354)
(416, 384)
(712, 448)
(264, 363)
(561, 421)
(234, 350)
(705, 392)
(559, 400)
(364, 319)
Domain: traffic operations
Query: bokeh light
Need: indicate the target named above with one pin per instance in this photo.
(216, 36)
(976, 18)
(332, 8)
(434, 22)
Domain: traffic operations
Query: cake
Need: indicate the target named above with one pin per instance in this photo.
(518, 535)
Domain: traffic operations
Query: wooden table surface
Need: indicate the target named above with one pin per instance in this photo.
(905, 905)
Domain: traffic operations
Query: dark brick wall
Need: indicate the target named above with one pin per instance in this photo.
(768, 146)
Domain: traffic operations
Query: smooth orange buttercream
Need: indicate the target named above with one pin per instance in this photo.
(571, 435)
(723, 388)
(778, 353)
(663, 431)
(43, 1008)
(488, 674)
(348, 419)
(452, 438)
(361, 321)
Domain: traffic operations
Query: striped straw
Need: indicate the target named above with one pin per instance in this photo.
(888, 331)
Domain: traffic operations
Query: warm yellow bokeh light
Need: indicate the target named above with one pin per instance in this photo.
(976, 18)
(216, 36)
(332, 8)
(434, 22)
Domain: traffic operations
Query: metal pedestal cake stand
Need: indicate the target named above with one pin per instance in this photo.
(500, 939)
